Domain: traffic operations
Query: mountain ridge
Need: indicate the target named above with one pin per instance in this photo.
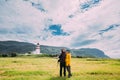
(25, 47)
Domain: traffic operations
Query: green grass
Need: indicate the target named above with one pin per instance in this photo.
(44, 68)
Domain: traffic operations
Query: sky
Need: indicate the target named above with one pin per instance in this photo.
(69, 23)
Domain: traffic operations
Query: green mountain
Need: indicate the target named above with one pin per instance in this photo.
(89, 52)
(24, 47)
(15, 46)
(83, 52)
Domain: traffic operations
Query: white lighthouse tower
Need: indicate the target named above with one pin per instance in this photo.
(37, 51)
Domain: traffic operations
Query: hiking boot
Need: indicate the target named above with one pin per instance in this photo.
(69, 75)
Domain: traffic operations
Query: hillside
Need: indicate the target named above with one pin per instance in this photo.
(24, 47)
(83, 52)
(89, 52)
(15, 46)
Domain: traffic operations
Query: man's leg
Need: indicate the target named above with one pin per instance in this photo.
(64, 69)
(60, 69)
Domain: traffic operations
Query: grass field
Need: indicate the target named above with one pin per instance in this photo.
(44, 68)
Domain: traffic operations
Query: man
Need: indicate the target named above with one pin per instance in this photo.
(62, 62)
(68, 63)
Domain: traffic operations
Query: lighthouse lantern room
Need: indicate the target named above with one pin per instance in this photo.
(37, 51)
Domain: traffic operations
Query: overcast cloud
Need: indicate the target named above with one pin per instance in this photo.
(69, 23)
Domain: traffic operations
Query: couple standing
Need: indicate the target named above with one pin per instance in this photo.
(65, 62)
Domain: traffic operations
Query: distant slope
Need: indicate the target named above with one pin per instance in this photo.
(24, 47)
(50, 49)
(89, 52)
(15, 46)
(83, 52)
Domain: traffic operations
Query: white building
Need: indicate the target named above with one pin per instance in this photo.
(37, 50)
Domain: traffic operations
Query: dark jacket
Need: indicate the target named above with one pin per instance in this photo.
(62, 57)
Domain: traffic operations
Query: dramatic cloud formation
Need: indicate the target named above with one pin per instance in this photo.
(69, 23)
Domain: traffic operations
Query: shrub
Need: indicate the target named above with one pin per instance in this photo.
(79, 56)
(4, 55)
(46, 55)
(0, 55)
(13, 54)
(29, 52)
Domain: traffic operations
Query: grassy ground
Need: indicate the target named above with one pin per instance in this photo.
(43, 68)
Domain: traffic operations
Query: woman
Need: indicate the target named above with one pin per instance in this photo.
(68, 62)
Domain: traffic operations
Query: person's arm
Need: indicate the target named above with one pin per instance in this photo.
(59, 58)
(69, 59)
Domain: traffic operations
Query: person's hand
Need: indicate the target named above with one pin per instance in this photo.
(58, 60)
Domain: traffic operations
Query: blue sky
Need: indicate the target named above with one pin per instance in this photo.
(79, 24)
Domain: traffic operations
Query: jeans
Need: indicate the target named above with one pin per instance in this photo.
(62, 66)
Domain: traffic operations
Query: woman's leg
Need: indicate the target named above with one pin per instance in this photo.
(69, 71)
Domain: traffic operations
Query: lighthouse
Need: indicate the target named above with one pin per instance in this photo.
(37, 51)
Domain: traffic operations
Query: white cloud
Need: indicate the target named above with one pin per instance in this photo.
(83, 26)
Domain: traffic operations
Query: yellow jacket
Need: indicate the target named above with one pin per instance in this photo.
(68, 59)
